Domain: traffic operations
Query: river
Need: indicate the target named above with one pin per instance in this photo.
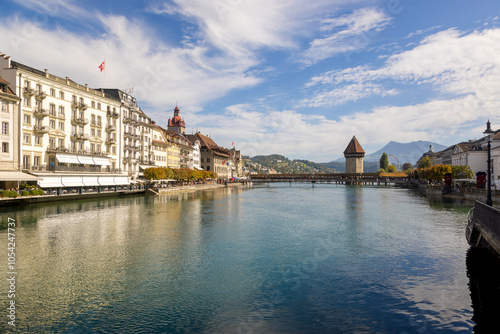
(277, 259)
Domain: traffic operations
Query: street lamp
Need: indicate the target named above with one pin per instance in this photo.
(488, 134)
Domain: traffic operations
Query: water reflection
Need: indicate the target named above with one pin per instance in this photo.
(483, 270)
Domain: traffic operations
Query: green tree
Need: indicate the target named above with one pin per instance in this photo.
(424, 163)
(462, 172)
(407, 166)
(391, 168)
(384, 161)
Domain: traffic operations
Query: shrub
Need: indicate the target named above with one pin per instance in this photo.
(25, 193)
(9, 193)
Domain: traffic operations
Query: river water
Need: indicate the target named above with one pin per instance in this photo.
(277, 259)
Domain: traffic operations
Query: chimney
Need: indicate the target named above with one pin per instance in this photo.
(46, 73)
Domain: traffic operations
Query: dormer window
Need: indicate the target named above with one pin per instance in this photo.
(3, 88)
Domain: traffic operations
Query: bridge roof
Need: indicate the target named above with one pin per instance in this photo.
(354, 147)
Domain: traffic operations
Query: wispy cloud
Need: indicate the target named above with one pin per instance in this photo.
(346, 33)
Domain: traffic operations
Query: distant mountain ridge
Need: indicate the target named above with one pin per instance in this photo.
(404, 152)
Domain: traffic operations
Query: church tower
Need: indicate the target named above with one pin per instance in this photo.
(354, 154)
(176, 123)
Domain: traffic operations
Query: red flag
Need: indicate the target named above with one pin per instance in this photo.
(232, 144)
(101, 67)
(223, 162)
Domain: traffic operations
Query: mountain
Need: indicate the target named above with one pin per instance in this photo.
(404, 152)
(283, 165)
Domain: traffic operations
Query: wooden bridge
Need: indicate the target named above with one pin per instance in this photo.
(337, 178)
(483, 228)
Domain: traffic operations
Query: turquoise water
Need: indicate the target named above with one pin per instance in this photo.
(276, 259)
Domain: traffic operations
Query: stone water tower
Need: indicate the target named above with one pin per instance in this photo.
(354, 154)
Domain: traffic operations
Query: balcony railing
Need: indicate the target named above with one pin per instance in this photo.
(28, 91)
(40, 95)
(40, 128)
(113, 114)
(75, 104)
(75, 168)
(80, 136)
(61, 115)
(82, 121)
(69, 149)
(110, 127)
(40, 112)
(82, 106)
(110, 140)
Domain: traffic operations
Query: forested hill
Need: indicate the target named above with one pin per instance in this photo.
(283, 165)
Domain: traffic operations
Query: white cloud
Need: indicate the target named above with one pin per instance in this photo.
(347, 93)
(358, 31)
(160, 73)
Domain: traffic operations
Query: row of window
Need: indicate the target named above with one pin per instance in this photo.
(52, 92)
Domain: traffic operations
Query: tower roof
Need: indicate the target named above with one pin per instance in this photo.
(354, 147)
(176, 121)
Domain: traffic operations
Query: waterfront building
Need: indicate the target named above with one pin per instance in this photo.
(62, 123)
(474, 154)
(135, 132)
(196, 151)
(173, 150)
(354, 154)
(10, 122)
(237, 163)
(159, 146)
(214, 158)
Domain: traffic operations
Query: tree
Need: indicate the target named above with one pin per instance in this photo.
(424, 163)
(437, 171)
(155, 173)
(462, 172)
(384, 161)
(407, 166)
(391, 168)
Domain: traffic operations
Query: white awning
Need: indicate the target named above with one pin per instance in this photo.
(16, 175)
(90, 181)
(102, 161)
(86, 160)
(121, 180)
(50, 182)
(146, 166)
(72, 181)
(67, 159)
(106, 181)
(197, 168)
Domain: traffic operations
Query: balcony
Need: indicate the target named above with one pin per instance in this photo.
(110, 141)
(113, 114)
(82, 106)
(110, 128)
(61, 115)
(40, 129)
(131, 135)
(130, 120)
(28, 91)
(69, 149)
(40, 112)
(40, 95)
(75, 105)
(79, 136)
(79, 121)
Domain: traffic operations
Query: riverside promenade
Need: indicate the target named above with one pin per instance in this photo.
(25, 200)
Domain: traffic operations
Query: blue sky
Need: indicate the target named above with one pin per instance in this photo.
(280, 76)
